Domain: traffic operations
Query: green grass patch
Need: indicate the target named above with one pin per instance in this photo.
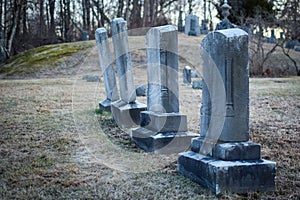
(42, 57)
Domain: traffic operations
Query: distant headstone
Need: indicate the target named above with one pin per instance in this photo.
(163, 129)
(91, 78)
(197, 85)
(272, 39)
(194, 74)
(222, 158)
(281, 35)
(126, 112)
(192, 25)
(107, 67)
(186, 74)
(85, 35)
(141, 90)
(290, 44)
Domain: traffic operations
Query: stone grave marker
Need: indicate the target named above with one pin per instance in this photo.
(272, 39)
(126, 111)
(204, 27)
(108, 72)
(192, 25)
(163, 129)
(281, 36)
(186, 74)
(222, 158)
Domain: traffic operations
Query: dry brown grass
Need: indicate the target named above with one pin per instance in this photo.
(53, 145)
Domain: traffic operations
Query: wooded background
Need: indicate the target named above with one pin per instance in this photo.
(26, 24)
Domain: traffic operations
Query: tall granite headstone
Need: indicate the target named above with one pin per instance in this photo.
(163, 129)
(108, 72)
(126, 111)
(222, 158)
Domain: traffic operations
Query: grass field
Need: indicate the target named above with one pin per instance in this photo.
(56, 144)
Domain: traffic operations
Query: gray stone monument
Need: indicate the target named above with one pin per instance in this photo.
(225, 23)
(192, 25)
(108, 72)
(126, 111)
(186, 74)
(272, 39)
(281, 36)
(222, 158)
(204, 28)
(163, 129)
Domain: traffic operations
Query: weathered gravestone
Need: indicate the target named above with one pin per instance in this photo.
(163, 129)
(186, 74)
(272, 39)
(281, 35)
(204, 28)
(222, 158)
(126, 111)
(108, 72)
(225, 23)
(192, 25)
(85, 35)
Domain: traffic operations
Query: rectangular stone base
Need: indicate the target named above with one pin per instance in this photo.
(229, 150)
(105, 105)
(228, 176)
(164, 122)
(163, 143)
(127, 115)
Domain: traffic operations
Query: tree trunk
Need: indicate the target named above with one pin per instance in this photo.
(135, 17)
(120, 8)
(88, 19)
(42, 22)
(12, 32)
(52, 20)
(25, 18)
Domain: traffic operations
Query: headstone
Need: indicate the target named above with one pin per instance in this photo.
(194, 74)
(186, 74)
(85, 35)
(222, 158)
(141, 90)
(204, 28)
(197, 85)
(281, 35)
(126, 111)
(290, 44)
(272, 39)
(91, 78)
(108, 72)
(192, 25)
(163, 129)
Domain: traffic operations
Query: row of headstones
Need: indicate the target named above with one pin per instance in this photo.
(222, 158)
(290, 44)
(192, 28)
